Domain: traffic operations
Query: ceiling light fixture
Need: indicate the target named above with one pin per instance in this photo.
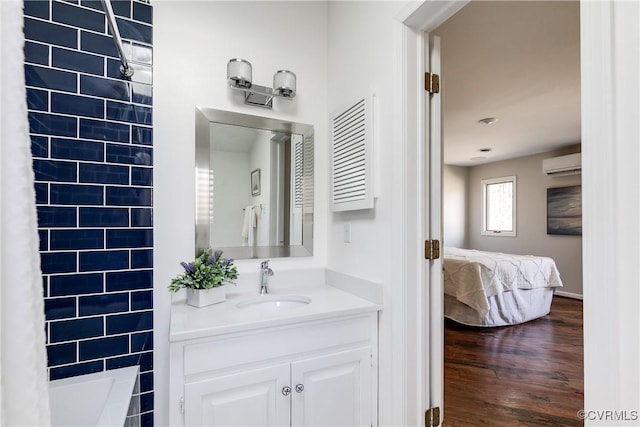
(488, 120)
(239, 75)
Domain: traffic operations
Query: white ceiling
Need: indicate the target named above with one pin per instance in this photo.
(518, 61)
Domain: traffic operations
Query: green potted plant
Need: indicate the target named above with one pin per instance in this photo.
(205, 278)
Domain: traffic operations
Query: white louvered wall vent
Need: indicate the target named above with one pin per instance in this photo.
(351, 158)
(297, 175)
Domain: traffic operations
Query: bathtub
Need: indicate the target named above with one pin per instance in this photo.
(100, 399)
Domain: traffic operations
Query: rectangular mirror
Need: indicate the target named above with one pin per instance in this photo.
(254, 185)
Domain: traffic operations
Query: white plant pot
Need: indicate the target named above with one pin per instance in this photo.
(205, 297)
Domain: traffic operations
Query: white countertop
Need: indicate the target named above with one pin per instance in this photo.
(326, 301)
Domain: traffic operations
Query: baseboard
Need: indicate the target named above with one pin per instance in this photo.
(569, 295)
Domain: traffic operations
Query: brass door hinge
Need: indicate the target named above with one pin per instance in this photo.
(431, 249)
(432, 417)
(432, 83)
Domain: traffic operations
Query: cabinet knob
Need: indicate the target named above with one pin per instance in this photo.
(299, 388)
(286, 390)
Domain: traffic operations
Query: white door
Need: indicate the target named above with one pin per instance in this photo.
(332, 390)
(253, 398)
(433, 306)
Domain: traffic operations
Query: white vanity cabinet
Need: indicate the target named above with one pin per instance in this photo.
(302, 373)
(332, 390)
(252, 398)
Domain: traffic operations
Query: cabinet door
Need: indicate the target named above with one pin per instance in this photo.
(332, 390)
(253, 398)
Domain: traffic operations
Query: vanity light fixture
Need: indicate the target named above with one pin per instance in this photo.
(239, 77)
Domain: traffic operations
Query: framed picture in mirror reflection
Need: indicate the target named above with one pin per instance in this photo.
(255, 182)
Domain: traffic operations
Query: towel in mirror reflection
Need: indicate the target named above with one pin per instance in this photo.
(250, 223)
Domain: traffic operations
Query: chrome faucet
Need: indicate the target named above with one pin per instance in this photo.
(265, 272)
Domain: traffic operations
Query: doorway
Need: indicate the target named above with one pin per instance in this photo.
(501, 120)
(609, 70)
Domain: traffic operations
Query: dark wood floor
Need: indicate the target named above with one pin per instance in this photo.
(522, 375)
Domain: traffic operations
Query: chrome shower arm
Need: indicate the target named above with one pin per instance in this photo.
(125, 68)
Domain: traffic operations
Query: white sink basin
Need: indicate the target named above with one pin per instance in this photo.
(274, 303)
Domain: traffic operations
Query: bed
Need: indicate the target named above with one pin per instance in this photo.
(496, 289)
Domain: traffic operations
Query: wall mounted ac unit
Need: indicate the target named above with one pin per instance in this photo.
(570, 164)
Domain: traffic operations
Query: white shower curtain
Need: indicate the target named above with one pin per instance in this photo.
(24, 395)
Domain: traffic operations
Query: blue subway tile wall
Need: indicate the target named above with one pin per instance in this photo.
(76, 239)
(104, 130)
(142, 217)
(104, 347)
(77, 195)
(76, 329)
(36, 53)
(49, 33)
(40, 146)
(77, 61)
(74, 149)
(60, 308)
(78, 17)
(104, 260)
(76, 369)
(42, 193)
(50, 124)
(142, 258)
(37, 8)
(76, 284)
(49, 78)
(62, 354)
(37, 99)
(103, 304)
(92, 144)
(129, 280)
(142, 340)
(104, 174)
(51, 170)
(106, 217)
(77, 105)
(141, 300)
(56, 216)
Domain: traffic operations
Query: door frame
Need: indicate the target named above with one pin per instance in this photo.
(610, 64)
(410, 392)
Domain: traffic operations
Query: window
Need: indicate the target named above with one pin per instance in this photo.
(499, 206)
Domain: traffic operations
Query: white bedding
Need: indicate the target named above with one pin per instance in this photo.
(472, 276)
(507, 308)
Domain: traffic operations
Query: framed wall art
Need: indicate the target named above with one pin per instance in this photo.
(564, 210)
(255, 182)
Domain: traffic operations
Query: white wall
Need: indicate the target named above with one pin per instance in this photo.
(455, 187)
(260, 158)
(192, 43)
(360, 51)
(230, 196)
(364, 58)
(531, 223)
